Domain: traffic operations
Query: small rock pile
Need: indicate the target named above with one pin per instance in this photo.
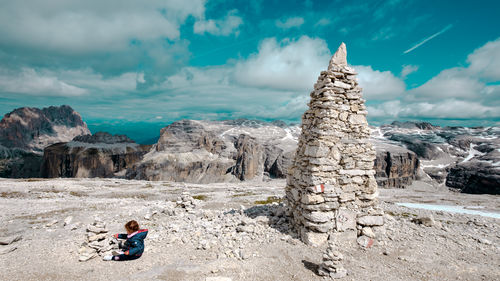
(97, 241)
(232, 233)
(186, 201)
(332, 263)
(331, 189)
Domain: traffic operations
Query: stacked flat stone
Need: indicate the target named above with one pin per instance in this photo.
(97, 243)
(331, 185)
(186, 201)
(332, 263)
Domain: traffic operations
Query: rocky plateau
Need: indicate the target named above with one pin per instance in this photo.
(232, 231)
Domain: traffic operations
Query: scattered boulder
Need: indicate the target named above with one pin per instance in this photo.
(425, 220)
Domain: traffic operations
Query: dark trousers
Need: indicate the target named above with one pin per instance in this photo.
(126, 257)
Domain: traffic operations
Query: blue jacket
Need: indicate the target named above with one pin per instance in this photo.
(135, 244)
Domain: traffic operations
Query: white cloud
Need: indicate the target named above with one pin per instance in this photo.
(225, 26)
(408, 69)
(443, 109)
(465, 83)
(212, 92)
(290, 22)
(30, 82)
(75, 26)
(450, 83)
(379, 85)
(485, 61)
(323, 22)
(455, 93)
(288, 64)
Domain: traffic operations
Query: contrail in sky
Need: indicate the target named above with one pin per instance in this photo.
(429, 38)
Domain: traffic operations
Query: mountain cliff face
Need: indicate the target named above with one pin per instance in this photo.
(25, 132)
(33, 129)
(217, 151)
(99, 155)
(395, 166)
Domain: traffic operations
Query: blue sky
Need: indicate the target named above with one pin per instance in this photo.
(135, 66)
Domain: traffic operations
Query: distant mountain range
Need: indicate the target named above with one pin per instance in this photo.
(55, 142)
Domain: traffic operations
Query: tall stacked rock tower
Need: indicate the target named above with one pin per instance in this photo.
(331, 190)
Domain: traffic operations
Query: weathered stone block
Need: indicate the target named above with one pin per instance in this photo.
(357, 180)
(316, 151)
(365, 242)
(368, 232)
(312, 238)
(353, 172)
(366, 196)
(347, 196)
(342, 85)
(319, 216)
(312, 199)
(320, 227)
(345, 219)
(371, 220)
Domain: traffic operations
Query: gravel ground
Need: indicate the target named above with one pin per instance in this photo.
(230, 232)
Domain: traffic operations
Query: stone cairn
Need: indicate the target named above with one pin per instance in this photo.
(97, 243)
(331, 190)
(332, 263)
(187, 202)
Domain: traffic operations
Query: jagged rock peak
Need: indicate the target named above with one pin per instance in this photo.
(339, 58)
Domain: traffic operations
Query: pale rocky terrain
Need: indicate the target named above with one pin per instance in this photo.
(227, 234)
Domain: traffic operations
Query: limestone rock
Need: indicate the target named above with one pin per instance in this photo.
(475, 177)
(365, 241)
(395, 166)
(331, 179)
(68, 220)
(249, 158)
(98, 155)
(97, 242)
(339, 58)
(425, 220)
(332, 263)
(32, 129)
(371, 220)
(10, 239)
(7, 249)
(314, 238)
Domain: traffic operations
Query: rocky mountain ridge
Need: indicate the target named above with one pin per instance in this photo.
(26, 131)
(466, 159)
(32, 129)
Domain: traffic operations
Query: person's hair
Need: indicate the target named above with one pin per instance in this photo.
(132, 225)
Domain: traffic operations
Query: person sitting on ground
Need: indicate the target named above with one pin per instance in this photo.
(134, 245)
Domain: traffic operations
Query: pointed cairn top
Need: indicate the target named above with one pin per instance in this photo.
(339, 58)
